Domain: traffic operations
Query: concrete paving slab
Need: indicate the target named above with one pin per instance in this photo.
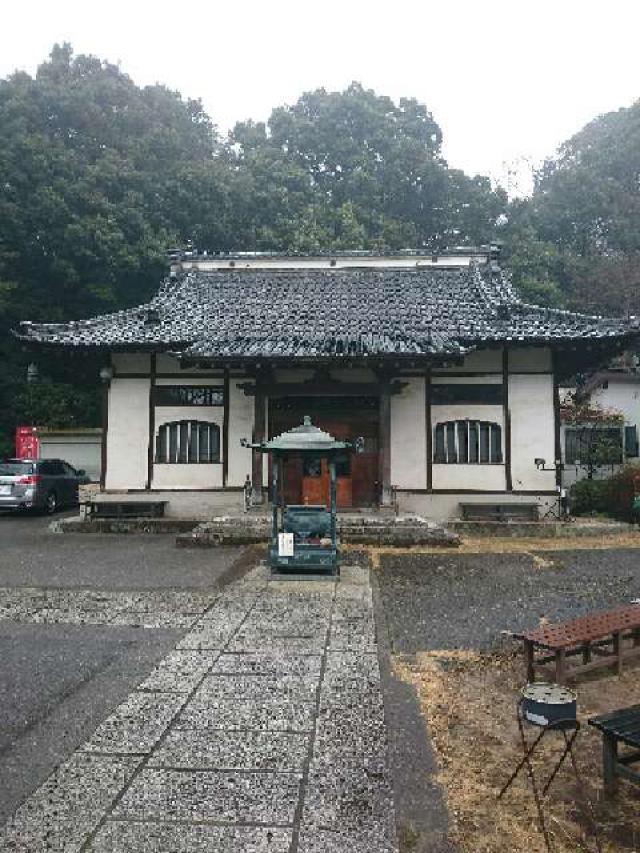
(210, 795)
(147, 837)
(208, 635)
(180, 672)
(264, 663)
(69, 805)
(136, 725)
(290, 688)
(222, 750)
(314, 840)
(255, 641)
(251, 715)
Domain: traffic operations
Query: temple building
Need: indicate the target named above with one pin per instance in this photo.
(449, 378)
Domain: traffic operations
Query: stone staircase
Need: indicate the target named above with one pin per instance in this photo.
(353, 528)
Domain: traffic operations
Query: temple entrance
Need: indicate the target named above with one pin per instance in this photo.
(345, 418)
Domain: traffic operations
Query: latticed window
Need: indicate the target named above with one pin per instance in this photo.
(186, 442)
(467, 442)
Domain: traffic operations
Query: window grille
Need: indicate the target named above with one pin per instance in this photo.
(188, 442)
(188, 395)
(592, 444)
(467, 442)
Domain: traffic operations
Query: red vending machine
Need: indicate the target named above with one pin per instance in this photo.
(26, 442)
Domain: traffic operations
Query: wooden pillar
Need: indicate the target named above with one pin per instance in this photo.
(105, 429)
(225, 431)
(384, 453)
(507, 420)
(429, 429)
(259, 402)
(152, 419)
(556, 422)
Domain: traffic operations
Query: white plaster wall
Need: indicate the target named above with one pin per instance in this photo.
(128, 434)
(622, 397)
(532, 430)
(188, 476)
(530, 359)
(130, 362)
(445, 507)
(408, 436)
(481, 478)
(480, 361)
(240, 426)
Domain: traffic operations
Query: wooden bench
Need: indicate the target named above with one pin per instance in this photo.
(499, 511)
(125, 509)
(618, 727)
(605, 638)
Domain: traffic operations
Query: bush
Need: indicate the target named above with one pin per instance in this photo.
(613, 496)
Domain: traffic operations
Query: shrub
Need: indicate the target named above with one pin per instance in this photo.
(613, 496)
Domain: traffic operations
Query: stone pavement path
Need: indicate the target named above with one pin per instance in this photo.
(262, 732)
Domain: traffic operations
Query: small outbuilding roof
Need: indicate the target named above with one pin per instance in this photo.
(297, 311)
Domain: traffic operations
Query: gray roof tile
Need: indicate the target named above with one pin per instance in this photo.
(334, 313)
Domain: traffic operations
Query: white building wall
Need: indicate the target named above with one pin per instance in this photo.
(128, 434)
(408, 436)
(621, 397)
(240, 426)
(532, 430)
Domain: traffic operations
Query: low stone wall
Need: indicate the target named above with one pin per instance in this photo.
(172, 526)
(540, 529)
(361, 530)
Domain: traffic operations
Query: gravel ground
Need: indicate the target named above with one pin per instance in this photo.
(464, 601)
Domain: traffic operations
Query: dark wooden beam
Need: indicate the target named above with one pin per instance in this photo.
(507, 420)
(225, 431)
(258, 436)
(152, 419)
(429, 429)
(321, 389)
(105, 431)
(384, 453)
(556, 420)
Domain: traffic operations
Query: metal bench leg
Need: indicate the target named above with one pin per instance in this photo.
(528, 652)
(609, 761)
(617, 651)
(560, 667)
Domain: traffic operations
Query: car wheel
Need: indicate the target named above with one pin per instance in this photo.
(51, 503)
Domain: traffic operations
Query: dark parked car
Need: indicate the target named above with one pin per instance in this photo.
(44, 484)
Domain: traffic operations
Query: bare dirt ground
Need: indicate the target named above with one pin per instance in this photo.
(445, 613)
(469, 700)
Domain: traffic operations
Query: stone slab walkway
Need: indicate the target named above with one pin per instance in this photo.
(263, 731)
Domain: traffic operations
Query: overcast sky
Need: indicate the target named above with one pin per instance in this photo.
(506, 81)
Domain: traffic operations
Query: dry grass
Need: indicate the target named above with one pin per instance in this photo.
(469, 701)
(515, 545)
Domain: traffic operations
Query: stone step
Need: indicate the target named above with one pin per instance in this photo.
(362, 530)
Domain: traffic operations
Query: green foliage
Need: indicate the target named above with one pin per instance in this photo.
(613, 497)
(590, 497)
(354, 170)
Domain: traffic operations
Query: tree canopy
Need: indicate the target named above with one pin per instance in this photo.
(99, 177)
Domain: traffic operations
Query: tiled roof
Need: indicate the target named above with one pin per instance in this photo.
(302, 313)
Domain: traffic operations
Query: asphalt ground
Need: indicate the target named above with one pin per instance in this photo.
(464, 601)
(58, 679)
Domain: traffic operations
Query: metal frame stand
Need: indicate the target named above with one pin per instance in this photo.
(570, 730)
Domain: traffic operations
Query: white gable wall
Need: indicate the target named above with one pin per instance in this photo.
(532, 430)
(408, 436)
(128, 434)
